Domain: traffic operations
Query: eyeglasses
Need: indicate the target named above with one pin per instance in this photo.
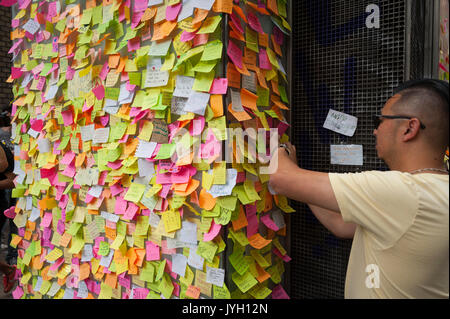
(377, 119)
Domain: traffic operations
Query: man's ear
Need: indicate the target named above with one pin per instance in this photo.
(411, 130)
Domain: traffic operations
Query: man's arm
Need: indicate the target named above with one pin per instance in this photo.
(8, 182)
(333, 222)
(299, 184)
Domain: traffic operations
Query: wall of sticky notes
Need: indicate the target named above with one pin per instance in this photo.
(121, 113)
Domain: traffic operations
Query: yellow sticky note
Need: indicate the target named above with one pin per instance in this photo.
(172, 220)
(135, 192)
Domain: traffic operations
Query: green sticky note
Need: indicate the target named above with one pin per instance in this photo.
(203, 81)
(147, 272)
(249, 188)
(160, 48)
(105, 291)
(212, 51)
(135, 192)
(118, 130)
(227, 202)
(114, 154)
(251, 38)
(97, 15)
(207, 250)
(238, 261)
(135, 78)
(166, 151)
(210, 24)
(86, 16)
(205, 66)
(244, 282)
(112, 93)
(166, 286)
(221, 292)
(263, 96)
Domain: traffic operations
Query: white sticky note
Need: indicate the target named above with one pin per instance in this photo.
(215, 276)
(187, 233)
(179, 264)
(226, 189)
(183, 86)
(101, 135)
(145, 149)
(197, 103)
(346, 155)
(204, 4)
(341, 123)
(154, 76)
(87, 132)
(31, 26)
(195, 260)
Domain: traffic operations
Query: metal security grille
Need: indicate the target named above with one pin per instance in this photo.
(341, 64)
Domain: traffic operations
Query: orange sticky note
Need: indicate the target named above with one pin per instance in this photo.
(193, 292)
(248, 99)
(240, 116)
(241, 221)
(194, 198)
(260, 10)
(206, 200)
(111, 280)
(85, 270)
(192, 186)
(262, 274)
(240, 12)
(225, 6)
(113, 61)
(233, 76)
(216, 102)
(258, 242)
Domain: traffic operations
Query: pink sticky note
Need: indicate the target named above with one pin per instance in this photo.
(187, 36)
(196, 126)
(140, 5)
(116, 189)
(37, 125)
(16, 72)
(99, 92)
(69, 73)
(134, 44)
(104, 72)
(264, 62)
(67, 117)
(165, 250)
(69, 171)
(201, 39)
(46, 220)
(136, 19)
(279, 293)
(152, 251)
(237, 23)
(68, 158)
(235, 54)
(254, 22)
(213, 232)
(172, 12)
(219, 86)
(18, 292)
(131, 211)
(121, 206)
(269, 222)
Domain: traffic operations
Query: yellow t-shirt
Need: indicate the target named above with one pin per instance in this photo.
(401, 244)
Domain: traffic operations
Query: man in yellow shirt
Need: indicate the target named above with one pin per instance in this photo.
(399, 220)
